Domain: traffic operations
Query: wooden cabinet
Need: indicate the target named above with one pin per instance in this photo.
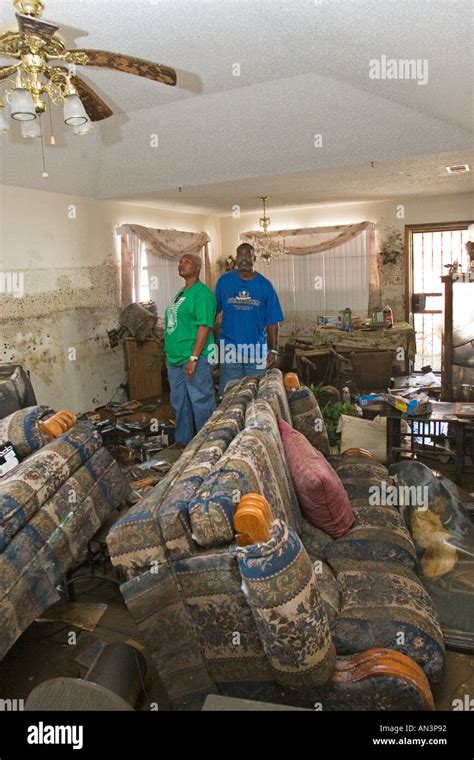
(143, 362)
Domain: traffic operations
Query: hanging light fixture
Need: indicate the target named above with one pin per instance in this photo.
(31, 128)
(22, 107)
(265, 247)
(74, 112)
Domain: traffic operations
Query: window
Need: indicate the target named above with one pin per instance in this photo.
(155, 278)
(321, 283)
(432, 249)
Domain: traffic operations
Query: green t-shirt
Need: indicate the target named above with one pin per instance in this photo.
(191, 308)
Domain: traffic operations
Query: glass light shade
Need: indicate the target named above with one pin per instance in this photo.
(84, 129)
(22, 106)
(3, 121)
(31, 128)
(74, 111)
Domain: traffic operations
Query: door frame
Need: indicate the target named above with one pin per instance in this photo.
(427, 227)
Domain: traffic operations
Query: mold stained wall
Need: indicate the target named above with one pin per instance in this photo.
(416, 209)
(65, 250)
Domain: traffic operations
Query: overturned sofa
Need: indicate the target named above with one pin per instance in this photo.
(298, 620)
(51, 505)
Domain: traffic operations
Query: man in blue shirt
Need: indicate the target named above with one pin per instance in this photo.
(251, 312)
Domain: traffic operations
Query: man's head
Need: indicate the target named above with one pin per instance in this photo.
(189, 266)
(245, 257)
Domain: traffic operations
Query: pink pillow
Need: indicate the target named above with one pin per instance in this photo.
(322, 497)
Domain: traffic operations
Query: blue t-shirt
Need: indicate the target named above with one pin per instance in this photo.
(247, 306)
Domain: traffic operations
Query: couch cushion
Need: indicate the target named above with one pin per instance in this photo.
(271, 389)
(321, 494)
(32, 483)
(282, 592)
(379, 533)
(251, 464)
(53, 541)
(351, 468)
(158, 524)
(383, 604)
(22, 430)
(307, 418)
(260, 415)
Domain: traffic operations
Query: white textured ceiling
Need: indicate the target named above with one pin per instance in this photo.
(304, 70)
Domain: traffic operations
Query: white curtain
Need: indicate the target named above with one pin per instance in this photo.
(322, 283)
(163, 280)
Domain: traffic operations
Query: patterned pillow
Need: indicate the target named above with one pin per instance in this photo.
(307, 417)
(383, 604)
(22, 430)
(322, 497)
(282, 592)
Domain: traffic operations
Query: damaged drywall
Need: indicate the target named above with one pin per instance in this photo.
(58, 330)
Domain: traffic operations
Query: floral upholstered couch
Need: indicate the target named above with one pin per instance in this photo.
(51, 504)
(289, 620)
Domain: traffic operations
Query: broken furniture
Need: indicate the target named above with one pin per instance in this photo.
(372, 370)
(16, 391)
(323, 367)
(286, 361)
(143, 361)
(212, 619)
(113, 682)
(400, 336)
(51, 504)
(425, 432)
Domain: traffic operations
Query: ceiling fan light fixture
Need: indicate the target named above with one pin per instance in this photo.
(84, 129)
(74, 112)
(31, 128)
(22, 104)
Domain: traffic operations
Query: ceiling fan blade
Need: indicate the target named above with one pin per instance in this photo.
(126, 63)
(7, 71)
(34, 27)
(97, 109)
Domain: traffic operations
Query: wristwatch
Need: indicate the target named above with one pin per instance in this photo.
(193, 358)
(273, 351)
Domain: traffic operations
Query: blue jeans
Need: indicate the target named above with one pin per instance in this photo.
(193, 401)
(235, 371)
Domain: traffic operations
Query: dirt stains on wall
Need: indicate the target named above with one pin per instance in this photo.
(58, 330)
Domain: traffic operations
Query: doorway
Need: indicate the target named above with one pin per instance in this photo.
(431, 250)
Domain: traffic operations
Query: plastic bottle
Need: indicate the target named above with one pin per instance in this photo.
(347, 319)
(388, 314)
(377, 315)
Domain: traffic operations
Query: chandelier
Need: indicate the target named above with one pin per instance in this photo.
(265, 247)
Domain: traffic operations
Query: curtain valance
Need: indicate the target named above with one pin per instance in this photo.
(169, 243)
(308, 240)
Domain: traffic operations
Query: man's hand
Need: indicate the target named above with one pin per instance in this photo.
(190, 369)
(271, 360)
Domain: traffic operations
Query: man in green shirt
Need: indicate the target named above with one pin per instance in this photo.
(188, 343)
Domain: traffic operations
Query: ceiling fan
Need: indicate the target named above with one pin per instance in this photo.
(47, 68)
